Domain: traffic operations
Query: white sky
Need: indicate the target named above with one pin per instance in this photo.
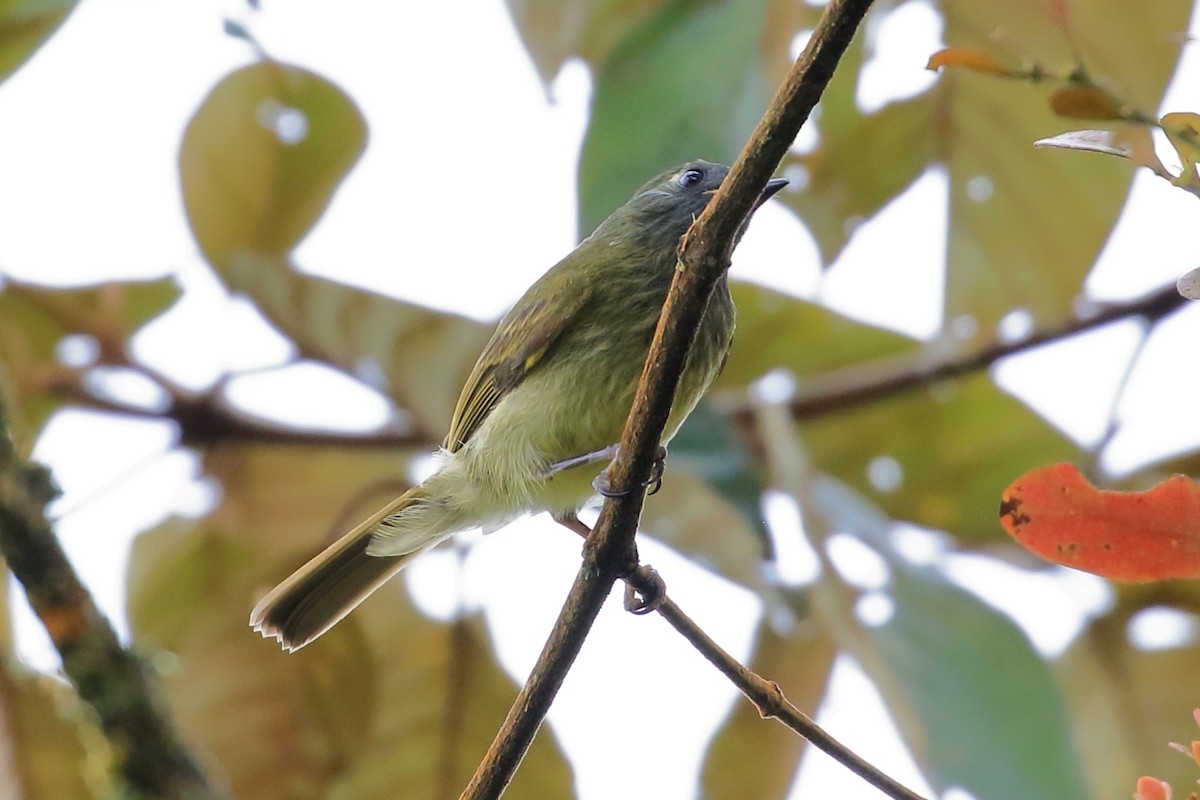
(89, 189)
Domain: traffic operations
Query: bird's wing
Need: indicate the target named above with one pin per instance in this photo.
(523, 337)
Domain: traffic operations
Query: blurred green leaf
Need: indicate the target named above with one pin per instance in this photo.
(1128, 701)
(693, 518)
(51, 750)
(778, 331)
(975, 703)
(381, 706)
(262, 157)
(861, 163)
(954, 447)
(442, 698)
(799, 659)
(24, 26)
(34, 320)
(707, 446)
(417, 356)
(688, 84)
(299, 720)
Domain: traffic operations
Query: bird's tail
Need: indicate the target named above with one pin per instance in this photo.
(316, 596)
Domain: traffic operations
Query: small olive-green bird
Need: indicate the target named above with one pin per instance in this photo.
(543, 408)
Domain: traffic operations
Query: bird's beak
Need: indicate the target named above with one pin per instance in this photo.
(773, 186)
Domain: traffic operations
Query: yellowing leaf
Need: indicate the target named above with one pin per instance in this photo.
(1127, 700)
(388, 704)
(24, 25)
(1183, 131)
(970, 59)
(48, 746)
(261, 158)
(1085, 102)
(35, 319)
(417, 356)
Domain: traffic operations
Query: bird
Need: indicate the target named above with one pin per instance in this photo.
(543, 408)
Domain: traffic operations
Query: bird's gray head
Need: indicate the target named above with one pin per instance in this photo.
(660, 211)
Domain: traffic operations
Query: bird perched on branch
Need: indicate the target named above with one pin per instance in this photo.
(542, 410)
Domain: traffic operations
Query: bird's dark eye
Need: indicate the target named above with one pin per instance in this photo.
(691, 178)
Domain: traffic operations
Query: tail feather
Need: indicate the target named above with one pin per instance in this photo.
(332, 584)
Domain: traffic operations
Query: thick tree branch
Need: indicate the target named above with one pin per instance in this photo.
(704, 255)
(150, 755)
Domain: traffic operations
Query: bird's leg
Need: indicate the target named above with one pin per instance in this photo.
(601, 483)
(573, 523)
(645, 590)
(606, 454)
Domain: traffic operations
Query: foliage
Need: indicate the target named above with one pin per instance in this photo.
(393, 702)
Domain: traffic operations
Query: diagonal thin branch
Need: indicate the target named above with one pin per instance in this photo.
(151, 757)
(704, 256)
(868, 382)
(769, 699)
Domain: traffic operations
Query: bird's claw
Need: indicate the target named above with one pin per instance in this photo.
(645, 591)
(603, 484)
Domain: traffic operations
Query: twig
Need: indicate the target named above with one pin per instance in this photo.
(771, 703)
(767, 696)
(204, 420)
(857, 385)
(704, 256)
(150, 755)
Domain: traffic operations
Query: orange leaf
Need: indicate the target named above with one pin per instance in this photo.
(967, 58)
(1149, 788)
(1126, 536)
(1085, 102)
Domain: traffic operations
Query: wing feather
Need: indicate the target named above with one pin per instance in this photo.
(521, 340)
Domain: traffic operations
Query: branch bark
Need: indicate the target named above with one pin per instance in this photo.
(151, 758)
(704, 256)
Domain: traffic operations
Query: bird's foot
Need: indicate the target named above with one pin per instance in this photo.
(645, 590)
(603, 485)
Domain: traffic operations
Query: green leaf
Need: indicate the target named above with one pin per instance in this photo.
(555, 30)
(387, 704)
(778, 331)
(688, 84)
(34, 320)
(799, 660)
(442, 698)
(24, 26)
(262, 157)
(417, 356)
(696, 520)
(51, 750)
(975, 703)
(957, 445)
(300, 719)
(707, 446)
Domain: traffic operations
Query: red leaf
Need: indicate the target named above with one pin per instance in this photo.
(1127, 536)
